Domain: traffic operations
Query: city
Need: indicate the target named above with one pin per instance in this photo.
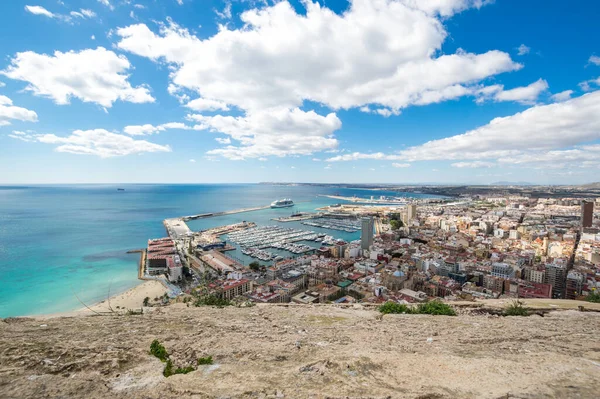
(481, 247)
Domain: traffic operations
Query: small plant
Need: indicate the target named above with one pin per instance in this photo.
(436, 307)
(158, 350)
(131, 312)
(168, 371)
(394, 308)
(146, 301)
(205, 360)
(184, 370)
(516, 308)
(593, 297)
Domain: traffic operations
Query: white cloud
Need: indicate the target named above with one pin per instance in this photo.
(225, 140)
(139, 6)
(9, 112)
(594, 59)
(327, 167)
(588, 85)
(523, 49)
(203, 104)
(180, 2)
(474, 164)
(2, 84)
(226, 13)
(382, 53)
(147, 129)
(101, 143)
(192, 160)
(96, 76)
(93, 37)
(355, 156)
(401, 165)
(87, 13)
(527, 94)
(39, 10)
(535, 130)
(107, 4)
(277, 132)
(562, 96)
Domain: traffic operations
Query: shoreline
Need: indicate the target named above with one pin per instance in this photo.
(132, 299)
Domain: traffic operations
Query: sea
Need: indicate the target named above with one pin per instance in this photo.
(65, 245)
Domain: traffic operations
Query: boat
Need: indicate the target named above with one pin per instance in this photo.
(120, 189)
(282, 203)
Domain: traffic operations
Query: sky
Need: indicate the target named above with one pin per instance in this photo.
(325, 91)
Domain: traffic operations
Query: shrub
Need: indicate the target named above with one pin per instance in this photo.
(159, 351)
(395, 308)
(184, 370)
(516, 308)
(593, 297)
(205, 360)
(168, 371)
(436, 307)
(146, 301)
(212, 300)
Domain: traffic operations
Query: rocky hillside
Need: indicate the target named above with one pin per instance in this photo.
(302, 352)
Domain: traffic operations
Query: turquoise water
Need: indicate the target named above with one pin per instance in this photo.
(58, 243)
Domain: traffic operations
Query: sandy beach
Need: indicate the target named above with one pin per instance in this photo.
(130, 299)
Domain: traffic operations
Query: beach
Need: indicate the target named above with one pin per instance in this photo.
(131, 299)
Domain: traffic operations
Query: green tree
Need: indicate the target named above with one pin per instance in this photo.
(396, 224)
(146, 301)
(254, 266)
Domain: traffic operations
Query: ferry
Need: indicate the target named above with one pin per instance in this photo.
(283, 203)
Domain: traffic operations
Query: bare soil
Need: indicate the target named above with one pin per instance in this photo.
(302, 352)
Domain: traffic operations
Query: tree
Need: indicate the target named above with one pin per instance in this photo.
(396, 224)
(254, 266)
(146, 301)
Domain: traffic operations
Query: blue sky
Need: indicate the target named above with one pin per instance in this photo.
(379, 91)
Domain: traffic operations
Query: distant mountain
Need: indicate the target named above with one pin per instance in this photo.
(511, 183)
(595, 186)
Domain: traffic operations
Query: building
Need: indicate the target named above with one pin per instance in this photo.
(174, 269)
(587, 213)
(502, 270)
(574, 285)
(229, 289)
(366, 236)
(556, 276)
(411, 212)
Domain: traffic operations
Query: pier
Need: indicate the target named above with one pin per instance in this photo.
(215, 214)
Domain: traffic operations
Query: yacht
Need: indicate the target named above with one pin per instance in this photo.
(282, 203)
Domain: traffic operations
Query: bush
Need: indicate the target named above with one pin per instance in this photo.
(436, 307)
(394, 308)
(168, 371)
(184, 370)
(159, 351)
(593, 297)
(205, 360)
(516, 308)
(212, 300)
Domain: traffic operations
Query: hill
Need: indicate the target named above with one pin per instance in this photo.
(300, 352)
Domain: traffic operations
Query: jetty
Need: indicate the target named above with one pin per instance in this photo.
(215, 214)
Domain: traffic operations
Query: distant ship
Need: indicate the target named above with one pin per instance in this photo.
(283, 203)
(120, 189)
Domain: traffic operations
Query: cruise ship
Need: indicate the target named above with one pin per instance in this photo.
(283, 203)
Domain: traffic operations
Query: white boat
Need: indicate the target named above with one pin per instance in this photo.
(282, 203)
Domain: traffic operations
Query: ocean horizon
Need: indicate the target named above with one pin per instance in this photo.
(64, 245)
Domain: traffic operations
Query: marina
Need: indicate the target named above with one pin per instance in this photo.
(349, 225)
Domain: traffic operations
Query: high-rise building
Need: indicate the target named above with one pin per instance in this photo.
(556, 275)
(411, 212)
(366, 236)
(587, 213)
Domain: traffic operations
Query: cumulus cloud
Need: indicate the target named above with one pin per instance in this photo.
(401, 165)
(147, 129)
(277, 132)
(525, 95)
(39, 10)
(101, 143)
(222, 140)
(383, 55)
(203, 104)
(9, 112)
(474, 164)
(523, 49)
(562, 96)
(594, 59)
(97, 76)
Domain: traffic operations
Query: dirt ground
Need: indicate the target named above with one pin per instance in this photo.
(302, 352)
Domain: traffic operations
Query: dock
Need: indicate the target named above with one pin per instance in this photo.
(215, 214)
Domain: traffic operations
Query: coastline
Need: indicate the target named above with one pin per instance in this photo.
(130, 299)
